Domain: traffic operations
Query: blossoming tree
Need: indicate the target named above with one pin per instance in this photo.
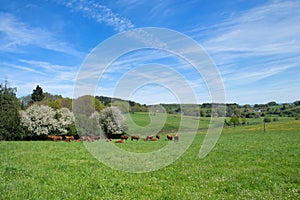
(112, 121)
(44, 120)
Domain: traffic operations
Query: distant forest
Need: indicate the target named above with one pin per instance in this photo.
(271, 109)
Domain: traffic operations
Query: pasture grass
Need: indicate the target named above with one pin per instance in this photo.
(145, 124)
(246, 163)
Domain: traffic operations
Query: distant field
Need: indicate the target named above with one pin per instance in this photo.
(172, 122)
(246, 163)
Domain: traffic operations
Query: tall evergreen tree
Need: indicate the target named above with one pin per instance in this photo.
(38, 94)
(9, 113)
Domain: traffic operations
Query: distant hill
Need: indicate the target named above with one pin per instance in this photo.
(123, 104)
(272, 108)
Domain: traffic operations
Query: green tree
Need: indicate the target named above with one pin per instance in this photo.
(234, 120)
(9, 114)
(297, 103)
(202, 113)
(272, 103)
(38, 94)
(55, 104)
(123, 106)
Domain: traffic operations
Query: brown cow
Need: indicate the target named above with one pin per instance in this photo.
(154, 139)
(169, 137)
(119, 141)
(149, 137)
(124, 137)
(96, 137)
(55, 137)
(176, 138)
(133, 137)
(87, 138)
(69, 138)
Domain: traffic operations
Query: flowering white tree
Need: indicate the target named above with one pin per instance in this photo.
(112, 121)
(65, 118)
(44, 120)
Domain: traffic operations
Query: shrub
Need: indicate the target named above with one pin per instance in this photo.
(234, 120)
(112, 121)
(275, 119)
(267, 119)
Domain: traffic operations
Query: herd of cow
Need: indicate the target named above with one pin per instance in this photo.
(67, 138)
(57, 138)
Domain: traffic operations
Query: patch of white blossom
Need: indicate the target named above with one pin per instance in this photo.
(112, 121)
(41, 119)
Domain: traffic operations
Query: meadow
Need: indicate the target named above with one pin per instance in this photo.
(246, 163)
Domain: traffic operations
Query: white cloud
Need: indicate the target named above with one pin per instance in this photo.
(255, 44)
(26, 74)
(16, 34)
(99, 13)
(23, 68)
(267, 30)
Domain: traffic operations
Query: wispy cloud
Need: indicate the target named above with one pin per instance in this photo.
(100, 13)
(17, 34)
(255, 44)
(49, 67)
(23, 68)
(59, 72)
(267, 30)
(26, 74)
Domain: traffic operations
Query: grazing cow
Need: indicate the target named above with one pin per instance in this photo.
(124, 137)
(69, 138)
(55, 137)
(154, 139)
(149, 137)
(157, 136)
(87, 138)
(119, 141)
(176, 138)
(50, 137)
(169, 137)
(96, 137)
(133, 137)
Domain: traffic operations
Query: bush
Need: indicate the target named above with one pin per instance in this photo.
(234, 120)
(267, 119)
(112, 121)
(275, 119)
(244, 121)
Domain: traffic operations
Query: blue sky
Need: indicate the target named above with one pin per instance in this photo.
(254, 44)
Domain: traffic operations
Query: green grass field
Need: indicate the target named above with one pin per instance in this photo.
(246, 163)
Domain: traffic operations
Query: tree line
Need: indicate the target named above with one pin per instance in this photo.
(271, 109)
(40, 114)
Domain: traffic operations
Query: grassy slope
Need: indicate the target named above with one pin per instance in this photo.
(171, 124)
(246, 163)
